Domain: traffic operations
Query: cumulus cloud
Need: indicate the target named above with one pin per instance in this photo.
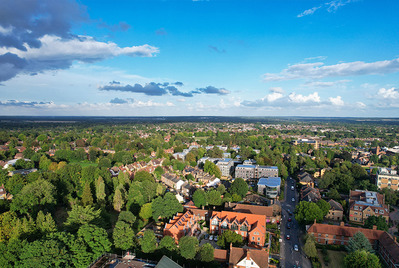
(337, 101)
(330, 7)
(318, 70)
(276, 99)
(17, 103)
(35, 36)
(391, 93)
(274, 96)
(159, 89)
(299, 98)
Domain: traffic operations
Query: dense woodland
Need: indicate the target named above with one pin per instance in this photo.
(71, 210)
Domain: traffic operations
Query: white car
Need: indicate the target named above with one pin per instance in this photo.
(293, 199)
(296, 247)
(216, 238)
(292, 188)
(211, 237)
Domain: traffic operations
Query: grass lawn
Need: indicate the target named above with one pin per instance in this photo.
(85, 164)
(336, 258)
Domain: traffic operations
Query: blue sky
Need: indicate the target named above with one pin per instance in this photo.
(151, 58)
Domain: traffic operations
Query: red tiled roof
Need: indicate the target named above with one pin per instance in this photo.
(260, 257)
(252, 209)
(220, 255)
(391, 246)
(242, 217)
(344, 230)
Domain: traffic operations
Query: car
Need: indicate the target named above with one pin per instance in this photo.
(211, 237)
(292, 187)
(289, 219)
(216, 238)
(293, 199)
(206, 236)
(289, 212)
(296, 247)
(288, 226)
(287, 237)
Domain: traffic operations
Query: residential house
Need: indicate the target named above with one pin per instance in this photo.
(182, 225)
(249, 226)
(314, 143)
(3, 193)
(310, 194)
(385, 244)
(306, 179)
(248, 258)
(272, 215)
(164, 262)
(336, 212)
(269, 186)
(363, 204)
(172, 181)
(387, 179)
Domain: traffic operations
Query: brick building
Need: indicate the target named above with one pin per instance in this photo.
(249, 226)
(182, 225)
(363, 204)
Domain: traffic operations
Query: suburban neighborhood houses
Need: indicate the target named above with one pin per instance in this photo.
(222, 195)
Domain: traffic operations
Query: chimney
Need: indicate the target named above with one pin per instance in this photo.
(248, 257)
(341, 223)
(231, 246)
(374, 227)
(314, 221)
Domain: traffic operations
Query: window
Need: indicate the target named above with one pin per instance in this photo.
(326, 235)
(319, 234)
(356, 207)
(215, 222)
(381, 212)
(258, 238)
(234, 226)
(224, 225)
(242, 233)
(253, 238)
(244, 228)
(355, 219)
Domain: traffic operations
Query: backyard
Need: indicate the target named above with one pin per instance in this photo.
(336, 258)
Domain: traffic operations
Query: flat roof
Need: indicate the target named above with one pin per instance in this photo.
(271, 181)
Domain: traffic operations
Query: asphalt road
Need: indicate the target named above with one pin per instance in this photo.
(288, 256)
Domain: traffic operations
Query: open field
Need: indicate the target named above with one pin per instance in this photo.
(336, 258)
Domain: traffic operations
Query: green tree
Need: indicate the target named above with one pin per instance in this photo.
(96, 239)
(45, 223)
(359, 242)
(34, 196)
(324, 206)
(362, 259)
(143, 176)
(199, 198)
(239, 186)
(119, 199)
(80, 215)
(87, 197)
(307, 212)
(212, 169)
(205, 253)
(228, 237)
(221, 188)
(310, 247)
(127, 217)
(165, 207)
(123, 235)
(333, 194)
(168, 244)
(100, 190)
(188, 247)
(213, 198)
(379, 221)
(44, 253)
(146, 212)
(149, 242)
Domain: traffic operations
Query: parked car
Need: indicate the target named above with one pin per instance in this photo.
(206, 236)
(216, 238)
(289, 212)
(292, 187)
(287, 237)
(296, 247)
(288, 226)
(293, 199)
(211, 237)
(289, 219)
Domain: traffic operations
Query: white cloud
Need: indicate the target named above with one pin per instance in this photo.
(318, 70)
(277, 89)
(361, 105)
(274, 96)
(390, 93)
(330, 7)
(321, 84)
(299, 98)
(337, 101)
(309, 11)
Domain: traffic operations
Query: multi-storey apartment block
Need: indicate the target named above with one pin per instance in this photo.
(363, 204)
(269, 186)
(387, 179)
(255, 171)
(226, 166)
(249, 226)
(182, 225)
